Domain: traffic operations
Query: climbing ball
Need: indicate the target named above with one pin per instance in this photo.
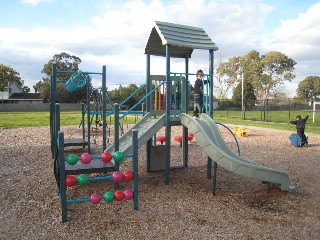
(95, 198)
(118, 195)
(70, 180)
(72, 159)
(108, 197)
(127, 175)
(117, 176)
(128, 194)
(161, 139)
(85, 158)
(178, 138)
(118, 156)
(82, 179)
(190, 136)
(106, 157)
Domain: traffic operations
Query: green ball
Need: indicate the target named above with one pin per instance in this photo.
(108, 197)
(72, 159)
(118, 156)
(82, 179)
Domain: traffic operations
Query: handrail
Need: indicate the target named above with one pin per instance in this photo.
(132, 94)
(142, 99)
(232, 135)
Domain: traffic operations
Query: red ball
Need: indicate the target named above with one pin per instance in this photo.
(85, 158)
(95, 198)
(70, 180)
(117, 176)
(106, 157)
(127, 175)
(178, 138)
(190, 136)
(161, 139)
(118, 195)
(128, 194)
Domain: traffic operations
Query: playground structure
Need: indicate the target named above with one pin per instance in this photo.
(66, 167)
(78, 80)
(165, 40)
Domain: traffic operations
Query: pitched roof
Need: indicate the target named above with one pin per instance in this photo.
(30, 96)
(182, 39)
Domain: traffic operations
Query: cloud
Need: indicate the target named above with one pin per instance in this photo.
(300, 37)
(34, 2)
(117, 36)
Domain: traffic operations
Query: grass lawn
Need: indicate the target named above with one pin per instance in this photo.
(274, 119)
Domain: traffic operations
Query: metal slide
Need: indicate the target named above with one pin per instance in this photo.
(209, 138)
(147, 127)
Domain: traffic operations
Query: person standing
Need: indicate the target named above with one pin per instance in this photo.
(198, 94)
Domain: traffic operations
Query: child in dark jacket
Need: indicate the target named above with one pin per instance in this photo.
(300, 126)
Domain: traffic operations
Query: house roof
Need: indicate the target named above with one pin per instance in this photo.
(27, 96)
(182, 39)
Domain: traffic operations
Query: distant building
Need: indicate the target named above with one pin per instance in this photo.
(8, 91)
(13, 94)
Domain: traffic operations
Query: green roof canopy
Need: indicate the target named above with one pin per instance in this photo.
(182, 39)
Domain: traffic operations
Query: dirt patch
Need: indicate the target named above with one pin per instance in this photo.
(186, 209)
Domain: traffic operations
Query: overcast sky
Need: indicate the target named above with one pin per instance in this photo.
(115, 33)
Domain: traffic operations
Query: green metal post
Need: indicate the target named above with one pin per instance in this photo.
(104, 107)
(116, 137)
(209, 162)
(148, 109)
(53, 99)
(135, 169)
(88, 115)
(168, 108)
(62, 177)
(184, 92)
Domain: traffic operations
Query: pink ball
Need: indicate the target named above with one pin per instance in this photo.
(95, 198)
(85, 158)
(117, 176)
(128, 194)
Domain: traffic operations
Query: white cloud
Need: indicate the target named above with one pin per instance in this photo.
(300, 37)
(118, 35)
(34, 2)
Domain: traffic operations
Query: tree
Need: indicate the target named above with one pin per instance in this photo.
(122, 93)
(248, 92)
(250, 64)
(309, 88)
(64, 62)
(25, 89)
(227, 75)
(276, 68)
(9, 75)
